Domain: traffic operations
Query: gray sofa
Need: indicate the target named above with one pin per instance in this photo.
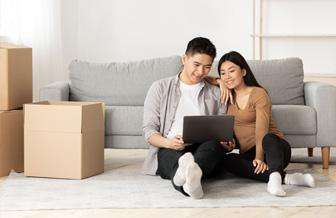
(304, 111)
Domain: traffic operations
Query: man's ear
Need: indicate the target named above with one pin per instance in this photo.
(184, 59)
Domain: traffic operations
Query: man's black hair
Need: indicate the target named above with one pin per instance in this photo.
(201, 45)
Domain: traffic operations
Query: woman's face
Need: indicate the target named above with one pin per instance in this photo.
(232, 74)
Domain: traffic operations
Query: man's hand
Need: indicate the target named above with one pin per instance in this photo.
(260, 166)
(228, 145)
(176, 143)
(226, 94)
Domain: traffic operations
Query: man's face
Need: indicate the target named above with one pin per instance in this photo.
(196, 67)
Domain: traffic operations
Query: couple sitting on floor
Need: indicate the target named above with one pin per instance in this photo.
(263, 152)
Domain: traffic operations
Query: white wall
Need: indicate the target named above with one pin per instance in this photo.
(303, 17)
(123, 30)
(69, 24)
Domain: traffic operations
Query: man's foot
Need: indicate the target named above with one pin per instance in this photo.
(274, 185)
(300, 179)
(183, 162)
(193, 186)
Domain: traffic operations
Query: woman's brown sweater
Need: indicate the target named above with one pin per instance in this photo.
(254, 121)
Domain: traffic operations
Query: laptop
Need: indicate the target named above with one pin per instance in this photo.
(199, 129)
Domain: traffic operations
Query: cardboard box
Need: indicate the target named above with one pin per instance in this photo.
(15, 76)
(64, 139)
(11, 141)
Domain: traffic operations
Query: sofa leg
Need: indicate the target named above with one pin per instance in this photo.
(310, 152)
(325, 157)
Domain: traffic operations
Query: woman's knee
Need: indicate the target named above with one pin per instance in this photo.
(270, 140)
(213, 145)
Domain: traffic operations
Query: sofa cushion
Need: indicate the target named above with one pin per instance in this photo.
(125, 141)
(123, 120)
(301, 141)
(283, 79)
(295, 119)
(119, 83)
(290, 119)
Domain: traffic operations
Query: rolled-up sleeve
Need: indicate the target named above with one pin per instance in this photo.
(151, 115)
(221, 107)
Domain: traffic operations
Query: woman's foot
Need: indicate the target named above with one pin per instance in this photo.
(300, 179)
(274, 185)
(183, 162)
(193, 186)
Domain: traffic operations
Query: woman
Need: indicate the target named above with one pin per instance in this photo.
(263, 151)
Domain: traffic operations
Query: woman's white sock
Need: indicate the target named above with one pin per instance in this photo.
(183, 162)
(300, 179)
(274, 185)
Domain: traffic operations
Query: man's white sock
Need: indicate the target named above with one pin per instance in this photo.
(193, 186)
(274, 185)
(183, 162)
(300, 179)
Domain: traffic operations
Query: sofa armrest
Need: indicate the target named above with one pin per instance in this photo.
(57, 91)
(322, 97)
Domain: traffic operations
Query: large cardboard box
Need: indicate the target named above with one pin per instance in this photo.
(64, 139)
(11, 141)
(15, 76)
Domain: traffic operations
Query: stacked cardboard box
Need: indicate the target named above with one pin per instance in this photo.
(64, 139)
(15, 90)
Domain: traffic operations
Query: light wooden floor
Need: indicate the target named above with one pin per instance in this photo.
(112, 157)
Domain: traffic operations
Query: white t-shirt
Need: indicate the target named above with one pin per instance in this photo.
(187, 106)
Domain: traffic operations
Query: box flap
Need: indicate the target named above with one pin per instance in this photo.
(46, 116)
(93, 117)
(62, 116)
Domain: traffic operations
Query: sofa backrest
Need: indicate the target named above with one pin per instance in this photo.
(119, 84)
(126, 84)
(282, 78)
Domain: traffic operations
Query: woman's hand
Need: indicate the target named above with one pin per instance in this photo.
(229, 145)
(226, 94)
(260, 166)
(176, 143)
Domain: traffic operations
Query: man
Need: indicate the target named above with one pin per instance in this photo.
(167, 102)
